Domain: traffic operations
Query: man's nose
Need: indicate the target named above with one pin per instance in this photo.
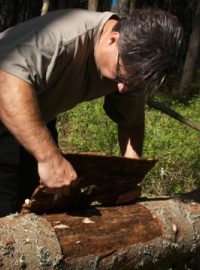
(122, 87)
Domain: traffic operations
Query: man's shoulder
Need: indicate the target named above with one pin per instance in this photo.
(76, 16)
(70, 23)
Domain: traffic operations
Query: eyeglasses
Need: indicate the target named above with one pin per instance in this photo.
(119, 78)
(122, 82)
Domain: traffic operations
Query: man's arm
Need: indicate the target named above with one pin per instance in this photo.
(20, 113)
(131, 140)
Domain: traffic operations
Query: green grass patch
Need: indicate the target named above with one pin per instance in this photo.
(177, 147)
(87, 128)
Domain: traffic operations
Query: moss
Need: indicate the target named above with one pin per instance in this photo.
(6, 250)
(44, 257)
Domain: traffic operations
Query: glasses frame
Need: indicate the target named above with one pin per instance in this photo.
(118, 77)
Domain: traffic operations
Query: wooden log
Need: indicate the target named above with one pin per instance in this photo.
(149, 234)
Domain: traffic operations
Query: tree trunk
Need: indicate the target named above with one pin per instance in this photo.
(192, 55)
(132, 6)
(122, 7)
(93, 5)
(45, 7)
(13, 12)
(150, 234)
(106, 5)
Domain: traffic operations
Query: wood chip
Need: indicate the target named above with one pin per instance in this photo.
(61, 226)
(88, 221)
(27, 201)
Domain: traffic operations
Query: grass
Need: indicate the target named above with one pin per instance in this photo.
(177, 147)
(86, 128)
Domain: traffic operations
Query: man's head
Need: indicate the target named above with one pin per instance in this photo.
(149, 47)
(142, 50)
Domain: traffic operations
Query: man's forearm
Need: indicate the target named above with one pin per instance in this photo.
(20, 113)
(131, 140)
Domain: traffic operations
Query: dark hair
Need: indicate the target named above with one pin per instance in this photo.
(149, 46)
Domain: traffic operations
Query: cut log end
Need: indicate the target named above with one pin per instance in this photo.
(28, 242)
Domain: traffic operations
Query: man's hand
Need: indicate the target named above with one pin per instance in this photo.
(130, 152)
(131, 140)
(56, 172)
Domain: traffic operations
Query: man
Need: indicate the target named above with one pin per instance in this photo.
(51, 63)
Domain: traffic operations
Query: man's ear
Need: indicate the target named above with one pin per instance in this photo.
(113, 38)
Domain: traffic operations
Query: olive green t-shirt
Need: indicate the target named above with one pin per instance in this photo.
(55, 54)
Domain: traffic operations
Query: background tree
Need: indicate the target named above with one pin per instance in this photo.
(191, 56)
(15, 11)
(124, 7)
(93, 5)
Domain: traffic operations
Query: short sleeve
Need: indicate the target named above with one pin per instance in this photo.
(125, 109)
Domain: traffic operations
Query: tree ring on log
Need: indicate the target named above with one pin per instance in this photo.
(28, 242)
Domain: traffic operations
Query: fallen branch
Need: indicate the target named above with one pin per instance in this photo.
(161, 107)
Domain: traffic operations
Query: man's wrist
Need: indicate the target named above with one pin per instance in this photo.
(47, 154)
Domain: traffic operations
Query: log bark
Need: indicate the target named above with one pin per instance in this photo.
(149, 234)
(103, 180)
